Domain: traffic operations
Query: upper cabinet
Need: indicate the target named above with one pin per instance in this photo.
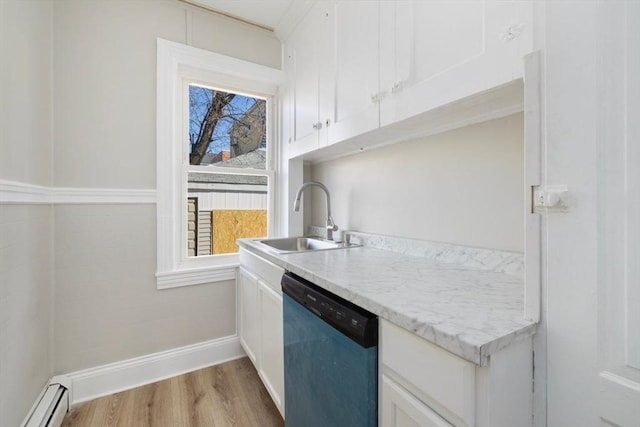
(434, 52)
(372, 72)
(356, 88)
(309, 55)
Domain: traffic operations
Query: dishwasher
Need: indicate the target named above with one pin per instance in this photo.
(330, 358)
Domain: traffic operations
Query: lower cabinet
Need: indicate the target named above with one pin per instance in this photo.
(271, 346)
(424, 385)
(399, 408)
(249, 316)
(260, 321)
(420, 384)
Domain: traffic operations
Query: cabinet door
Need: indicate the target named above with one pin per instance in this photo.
(249, 316)
(356, 71)
(304, 69)
(436, 52)
(311, 75)
(400, 408)
(326, 69)
(272, 348)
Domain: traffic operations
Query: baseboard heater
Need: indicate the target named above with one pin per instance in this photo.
(53, 405)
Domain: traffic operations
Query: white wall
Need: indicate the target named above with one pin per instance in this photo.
(464, 187)
(25, 307)
(105, 82)
(107, 307)
(25, 230)
(25, 100)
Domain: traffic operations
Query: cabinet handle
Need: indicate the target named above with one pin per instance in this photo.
(511, 32)
(317, 126)
(375, 98)
(327, 122)
(397, 87)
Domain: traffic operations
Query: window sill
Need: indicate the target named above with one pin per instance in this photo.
(196, 276)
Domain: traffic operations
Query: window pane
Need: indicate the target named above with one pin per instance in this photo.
(223, 208)
(226, 129)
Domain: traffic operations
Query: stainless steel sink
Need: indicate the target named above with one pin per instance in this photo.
(301, 244)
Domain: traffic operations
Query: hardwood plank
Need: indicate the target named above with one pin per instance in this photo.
(199, 406)
(226, 395)
(83, 417)
(152, 405)
(110, 413)
(244, 377)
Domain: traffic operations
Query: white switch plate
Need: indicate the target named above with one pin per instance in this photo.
(550, 198)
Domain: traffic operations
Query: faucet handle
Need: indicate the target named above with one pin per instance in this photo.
(330, 224)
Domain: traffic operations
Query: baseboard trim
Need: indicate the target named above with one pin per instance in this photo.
(115, 377)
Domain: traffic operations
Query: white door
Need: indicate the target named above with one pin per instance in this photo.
(592, 251)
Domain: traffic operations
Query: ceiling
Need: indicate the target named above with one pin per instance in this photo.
(268, 14)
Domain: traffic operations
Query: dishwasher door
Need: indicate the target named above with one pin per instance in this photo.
(330, 359)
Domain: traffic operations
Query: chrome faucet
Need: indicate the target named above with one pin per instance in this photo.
(331, 227)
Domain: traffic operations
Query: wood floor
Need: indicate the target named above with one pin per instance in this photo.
(230, 394)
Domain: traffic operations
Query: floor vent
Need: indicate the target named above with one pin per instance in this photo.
(53, 405)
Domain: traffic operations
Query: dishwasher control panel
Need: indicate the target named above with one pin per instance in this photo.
(357, 323)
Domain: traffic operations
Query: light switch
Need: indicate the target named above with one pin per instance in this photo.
(550, 197)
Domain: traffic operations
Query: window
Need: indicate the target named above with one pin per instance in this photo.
(216, 167)
(226, 131)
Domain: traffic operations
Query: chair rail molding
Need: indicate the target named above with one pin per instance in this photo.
(13, 192)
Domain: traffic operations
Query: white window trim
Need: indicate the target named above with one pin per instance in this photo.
(176, 62)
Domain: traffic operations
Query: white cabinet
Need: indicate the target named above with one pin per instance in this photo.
(249, 321)
(443, 381)
(271, 343)
(260, 321)
(359, 70)
(332, 67)
(433, 53)
(332, 70)
(423, 385)
(355, 110)
(309, 54)
(399, 408)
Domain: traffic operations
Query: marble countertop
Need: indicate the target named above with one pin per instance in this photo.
(468, 301)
